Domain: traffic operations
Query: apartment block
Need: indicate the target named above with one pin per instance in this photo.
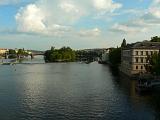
(134, 56)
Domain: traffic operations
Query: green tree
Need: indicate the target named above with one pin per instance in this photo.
(12, 54)
(123, 43)
(11, 51)
(115, 56)
(153, 65)
(20, 52)
(52, 48)
(155, 39)
(62, 54)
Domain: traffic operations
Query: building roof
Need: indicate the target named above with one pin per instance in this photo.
(143, 45)
(3, 49)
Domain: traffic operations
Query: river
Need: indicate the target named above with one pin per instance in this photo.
(71, 91)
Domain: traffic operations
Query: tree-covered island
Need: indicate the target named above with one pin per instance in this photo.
(64, 54)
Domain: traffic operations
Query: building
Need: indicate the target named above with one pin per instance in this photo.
(134, 56)
(105, 56)
(3, 51)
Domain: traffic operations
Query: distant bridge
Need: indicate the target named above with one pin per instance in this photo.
(38, 53)
(35, 53)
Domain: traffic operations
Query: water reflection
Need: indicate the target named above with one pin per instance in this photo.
(72, 91)
(142, 103)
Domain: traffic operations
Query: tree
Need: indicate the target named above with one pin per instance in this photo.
(123, 43)
(52, 48)
(20, 52)
(155, 39)
(64, 54)
(115, 56)
(11, 51)
(153, 65)
(12, 54)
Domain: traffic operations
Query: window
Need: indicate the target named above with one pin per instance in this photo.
(151, 52)
(136, 67)
(141, 52)
(141, 67)
(136, 52)
(141, 60)
(136, 60)
(146, 52)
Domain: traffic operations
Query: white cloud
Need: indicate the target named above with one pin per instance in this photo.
(68, 7)
(155, 12)
(57, 18)
(147, 21)
(48, 17)
(127, 28)
(154, 9)
(30, 19)
(107, 5)
(5, 2)
(57, 30)
(156, 1)
(152, 16)
(90, 33)
(53, 17)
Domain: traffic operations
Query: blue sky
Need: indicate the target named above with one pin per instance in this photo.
(39, 24)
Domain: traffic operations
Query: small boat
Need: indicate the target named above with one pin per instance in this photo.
(9, 62)
(144, 84)
(6, 63)
(143, 87)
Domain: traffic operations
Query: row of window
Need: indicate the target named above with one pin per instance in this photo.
(137, 67)
(145, 52)
(142, 60)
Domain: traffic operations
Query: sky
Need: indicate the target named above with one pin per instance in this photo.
(79, 24)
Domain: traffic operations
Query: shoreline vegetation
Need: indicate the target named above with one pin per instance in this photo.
(64, 54)
(115, 55)
(15, 54)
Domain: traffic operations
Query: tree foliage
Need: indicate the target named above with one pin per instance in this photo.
(153, 65)
(155, 39)
(22, 52)
(11, 51)
(12, 54)
(64, 54)
(123, 43)
(115, 56)
(82, 55)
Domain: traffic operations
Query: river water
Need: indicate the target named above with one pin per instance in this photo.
(71, 91)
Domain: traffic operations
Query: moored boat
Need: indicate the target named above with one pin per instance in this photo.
(6, 63)
(144, 84)
(143, 87)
